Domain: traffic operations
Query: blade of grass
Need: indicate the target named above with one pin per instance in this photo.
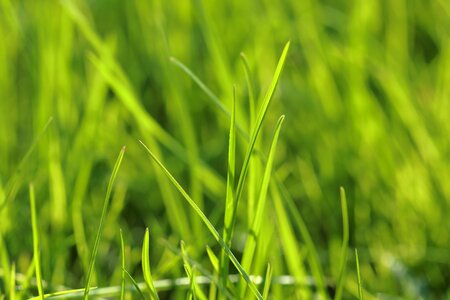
(61, 294)
(135, 284)
(230, 215)
(360, 288)
(4, 257)
(344, 250)
(122, 256)
(12, 283)
(36, 250)
(102, 220)
(208, 224)
(195, 289)
(146, 266)
(313, 258)
(267, 281)
(13, 183)
(254, 231)
(230, 196)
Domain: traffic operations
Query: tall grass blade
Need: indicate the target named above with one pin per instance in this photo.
(12, 283)
(36, 243)
(195, 290)
(122, 260)
(230, 216)
(13, 183)
(146, 266)
(254, 231)
(230, 196)
(360, 288)
(267, 281)
(102, 221)
(344, 250)
(135, 284)
(208, 224)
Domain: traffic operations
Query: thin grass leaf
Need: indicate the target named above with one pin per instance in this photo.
(12, 185)
(208, 224)
(36, 246)
(255, 229)
(344, 249)
(146, 266)
(4, 257)
(213, 258)
(360, 288)
(267, 281)
(230, 215)
(250, 87)
(135, 284)
(122, 256)
(313, 257)
(230, 196)
(102, 220)
(195, 290)
(12, 283)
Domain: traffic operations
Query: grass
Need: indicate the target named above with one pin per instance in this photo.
(363, 88)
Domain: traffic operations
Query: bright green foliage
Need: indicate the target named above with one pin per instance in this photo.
(364, 88)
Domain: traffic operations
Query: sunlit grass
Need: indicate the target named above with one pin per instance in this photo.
(363, 91)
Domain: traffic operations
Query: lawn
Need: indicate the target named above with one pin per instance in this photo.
(167, 149)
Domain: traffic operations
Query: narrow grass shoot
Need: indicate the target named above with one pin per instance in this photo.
(255, 228)
(135, 284)
(344, 249)
(102, 220)
(267, 281)
(12, 284)
(231, 193)
(208, 224)
(230, 215)
(195, 290)
(358, 273)
(122, 262)
(146, 266)
(36, 243)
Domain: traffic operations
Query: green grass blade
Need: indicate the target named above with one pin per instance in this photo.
(360, 288)
(36, 250)
(213, 259)
(12, 283)
(196, 291)
(230, 216)
(122, 260)
(135, 284)
(250, 87)
(344, 250)
(267, 281)
(13, 183)
(208, 224)
(102, 220)
(213, 97)
(230, 196)
(60, 295)
(254, 231)
(146, 266)
(4, 258)
(313, 257)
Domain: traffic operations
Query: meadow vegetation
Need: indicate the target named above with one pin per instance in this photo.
(291, 149)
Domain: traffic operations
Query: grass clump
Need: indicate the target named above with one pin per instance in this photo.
(363, 91)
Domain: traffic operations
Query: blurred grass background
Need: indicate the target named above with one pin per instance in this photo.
(365, 91)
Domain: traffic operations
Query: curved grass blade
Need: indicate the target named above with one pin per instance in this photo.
(195, 290)
(344, 250)
(146, 266)
(250, 245)
(36, 250)
(61, 294)
(102, 221)
(13, 183)
(208, 224)
(122, 259)
(214, 98)
(267, 281)
(230, 215)
(313, 258)
(135, 284)
(230, 196)
(360, 289)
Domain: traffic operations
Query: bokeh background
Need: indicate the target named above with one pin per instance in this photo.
(365, 91)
